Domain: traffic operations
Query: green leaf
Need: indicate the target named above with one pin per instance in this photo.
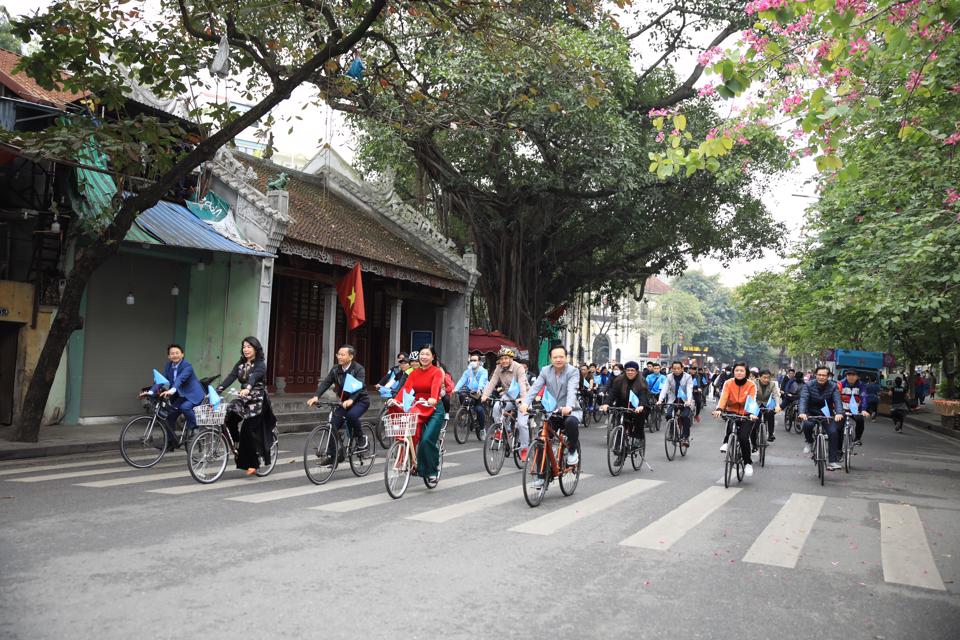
(680, 122)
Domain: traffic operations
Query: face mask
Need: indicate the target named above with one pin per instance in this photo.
(474, 365)
(616, 373)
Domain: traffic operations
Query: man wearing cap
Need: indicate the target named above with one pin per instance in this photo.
(506, 371)
(472, 382)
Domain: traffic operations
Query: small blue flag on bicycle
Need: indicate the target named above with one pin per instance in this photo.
(386, 392)
(771, 403)
(586, 383)
(751, 406)
(351, 384)
(634, 400)
(391, 382)
(681, 394)
(158, 378)
(213, 396)
(408, 398)
(514, 390)
(854, 407)
(548, 402)
(597, 379)
(825, 410)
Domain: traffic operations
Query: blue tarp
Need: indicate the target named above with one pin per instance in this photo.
(177, 226)
(859, 359)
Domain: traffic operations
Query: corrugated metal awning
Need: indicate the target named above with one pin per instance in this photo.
(138, 235)
(177, 226)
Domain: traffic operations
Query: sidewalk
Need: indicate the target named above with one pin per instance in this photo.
(925, 417)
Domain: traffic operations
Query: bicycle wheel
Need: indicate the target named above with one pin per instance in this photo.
(740, 463)
(143, 442)
(536, 474)
(515, 440)
(495, 449)
(461, 425)
(381, 435)
(596, 412)
(762, 444)
(362, 460)
(207, 456)
(637, 452)
(316, 463)
(683, 447)
(821, 459)
(730, 460)
(847, 450)
(616, 450)
(659, 420)
(396, 470)
(570, 479)
(669, 441)
(265, 469)
(797, 425)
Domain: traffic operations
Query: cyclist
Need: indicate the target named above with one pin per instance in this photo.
(472, 382)
(721, 379)
(898, 403)
(506, 371)
(352, 404)
(586, 387)
(562, 381)
(395, 372)
(733, 399)
(820, 392)
(655, 380)
(620, 390)
(767, 388)
(873, 396)
(425, 381)
(701, 382)
(185, 393)
(791, 389)
(678, 385)
(252, 408)
(852, 388)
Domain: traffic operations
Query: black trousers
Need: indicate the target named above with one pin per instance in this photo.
(683, 419)
(352, 417)
(570, 427)
(858, 431)
(743, 437)
(634, 423)
(768, 418)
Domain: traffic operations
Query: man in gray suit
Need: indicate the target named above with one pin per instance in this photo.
(562, 380)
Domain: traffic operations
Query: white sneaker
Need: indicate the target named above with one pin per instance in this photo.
(806, 449)
(573, 458)
(723, 448)
(748, 471)
(834, 466)
(538, 484)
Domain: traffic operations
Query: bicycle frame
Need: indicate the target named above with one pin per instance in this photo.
(547, 433)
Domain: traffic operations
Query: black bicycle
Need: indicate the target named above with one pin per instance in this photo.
(849, 438)
(324, 449)
(208, 452)
(656, 417)
(733, 461)
(673, 435)
(819, 451)
(467, 419)
(763, 437)
(790, 420)
(620, 444)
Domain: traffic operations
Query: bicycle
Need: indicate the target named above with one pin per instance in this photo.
(849, 437)
(143, 440)
(762, 435)
(401, 460)
(597, 403)
(466, 419)
(656, 417)
(790, 418)
(734, 458)
(208, 453)
(318, 462)
(820, 445)
(543, 464)
(619, 446)
(502, 438)
(673, 436)
(378, 430)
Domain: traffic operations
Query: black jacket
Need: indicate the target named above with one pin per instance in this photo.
(335, 379)
(813, 397)
(394, 371)
(257, 375)
(621, 388)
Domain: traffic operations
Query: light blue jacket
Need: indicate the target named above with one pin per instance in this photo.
(564, 387)
(475, 380)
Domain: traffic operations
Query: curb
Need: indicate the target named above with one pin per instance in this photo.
(935, 428)
(43, 451)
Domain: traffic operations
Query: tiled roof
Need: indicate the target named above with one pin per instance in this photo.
(656, 285)
(320, 217)
(27, 88)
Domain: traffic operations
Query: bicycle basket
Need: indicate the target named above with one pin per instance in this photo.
(210, 416)
(399, 425)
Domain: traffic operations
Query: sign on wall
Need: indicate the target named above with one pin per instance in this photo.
(420, 339)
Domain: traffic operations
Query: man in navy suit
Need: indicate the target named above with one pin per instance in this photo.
(185, 391)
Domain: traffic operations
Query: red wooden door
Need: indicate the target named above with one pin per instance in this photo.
(298, 335)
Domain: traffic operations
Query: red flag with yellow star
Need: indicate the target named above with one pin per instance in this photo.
(350, 292)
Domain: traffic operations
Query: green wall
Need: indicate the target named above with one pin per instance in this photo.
(223, 307)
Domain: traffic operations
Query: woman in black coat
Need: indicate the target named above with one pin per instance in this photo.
(252, 408)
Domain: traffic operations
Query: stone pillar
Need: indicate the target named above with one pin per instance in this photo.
(396, 307)
(455, 332)
(329, 347)
(439, 336)
(264, 301)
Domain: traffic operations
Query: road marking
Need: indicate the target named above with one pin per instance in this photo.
(66, 465)
(119, 482)
(459, 509)
(226, 484)
(447, 454)
(904, 551)
(782, 540)
(663, 533)
(93, 472)
(554, 521)
(384, 498)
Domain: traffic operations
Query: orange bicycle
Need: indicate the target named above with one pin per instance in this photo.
(544, 459)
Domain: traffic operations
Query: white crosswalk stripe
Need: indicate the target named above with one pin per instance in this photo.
(69, 475)
(905, 554)
(384, 498)
(460, 509)
(554, 521)
(782, 541)
(67, 465)
(663, 533)
(139, 479)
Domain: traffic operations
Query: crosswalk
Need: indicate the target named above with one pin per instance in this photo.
(782, 541)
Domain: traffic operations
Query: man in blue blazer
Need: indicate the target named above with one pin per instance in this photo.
(185, 391)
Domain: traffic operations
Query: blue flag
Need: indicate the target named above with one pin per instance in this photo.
(213, 396)
(854, 407)
(771, 403)
(351, 384)
(391, 382)
(634, 400)
(597, 379)
(386, 392)
(586, 383)
(408, 399)
(548, 401)
(514, 390)
(681, 393)
(825, 410)
(158, 378)
(751, 406)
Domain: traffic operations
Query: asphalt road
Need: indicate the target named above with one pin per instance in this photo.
(92, 549)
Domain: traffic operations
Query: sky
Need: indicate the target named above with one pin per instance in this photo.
(787, 198)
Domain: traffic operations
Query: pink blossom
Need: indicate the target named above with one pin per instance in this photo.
(839, 74)
(791, 102)
(955, 88)
(661, 136)
(707, 57)
(797, 133)
(763, 5)
(707, 90)
(742, 139)
(712, 133)
(914, 80)
(675, 132)
(656, 113)
(859, 46)
(952, 196)
(857, 6)
(953, 139)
